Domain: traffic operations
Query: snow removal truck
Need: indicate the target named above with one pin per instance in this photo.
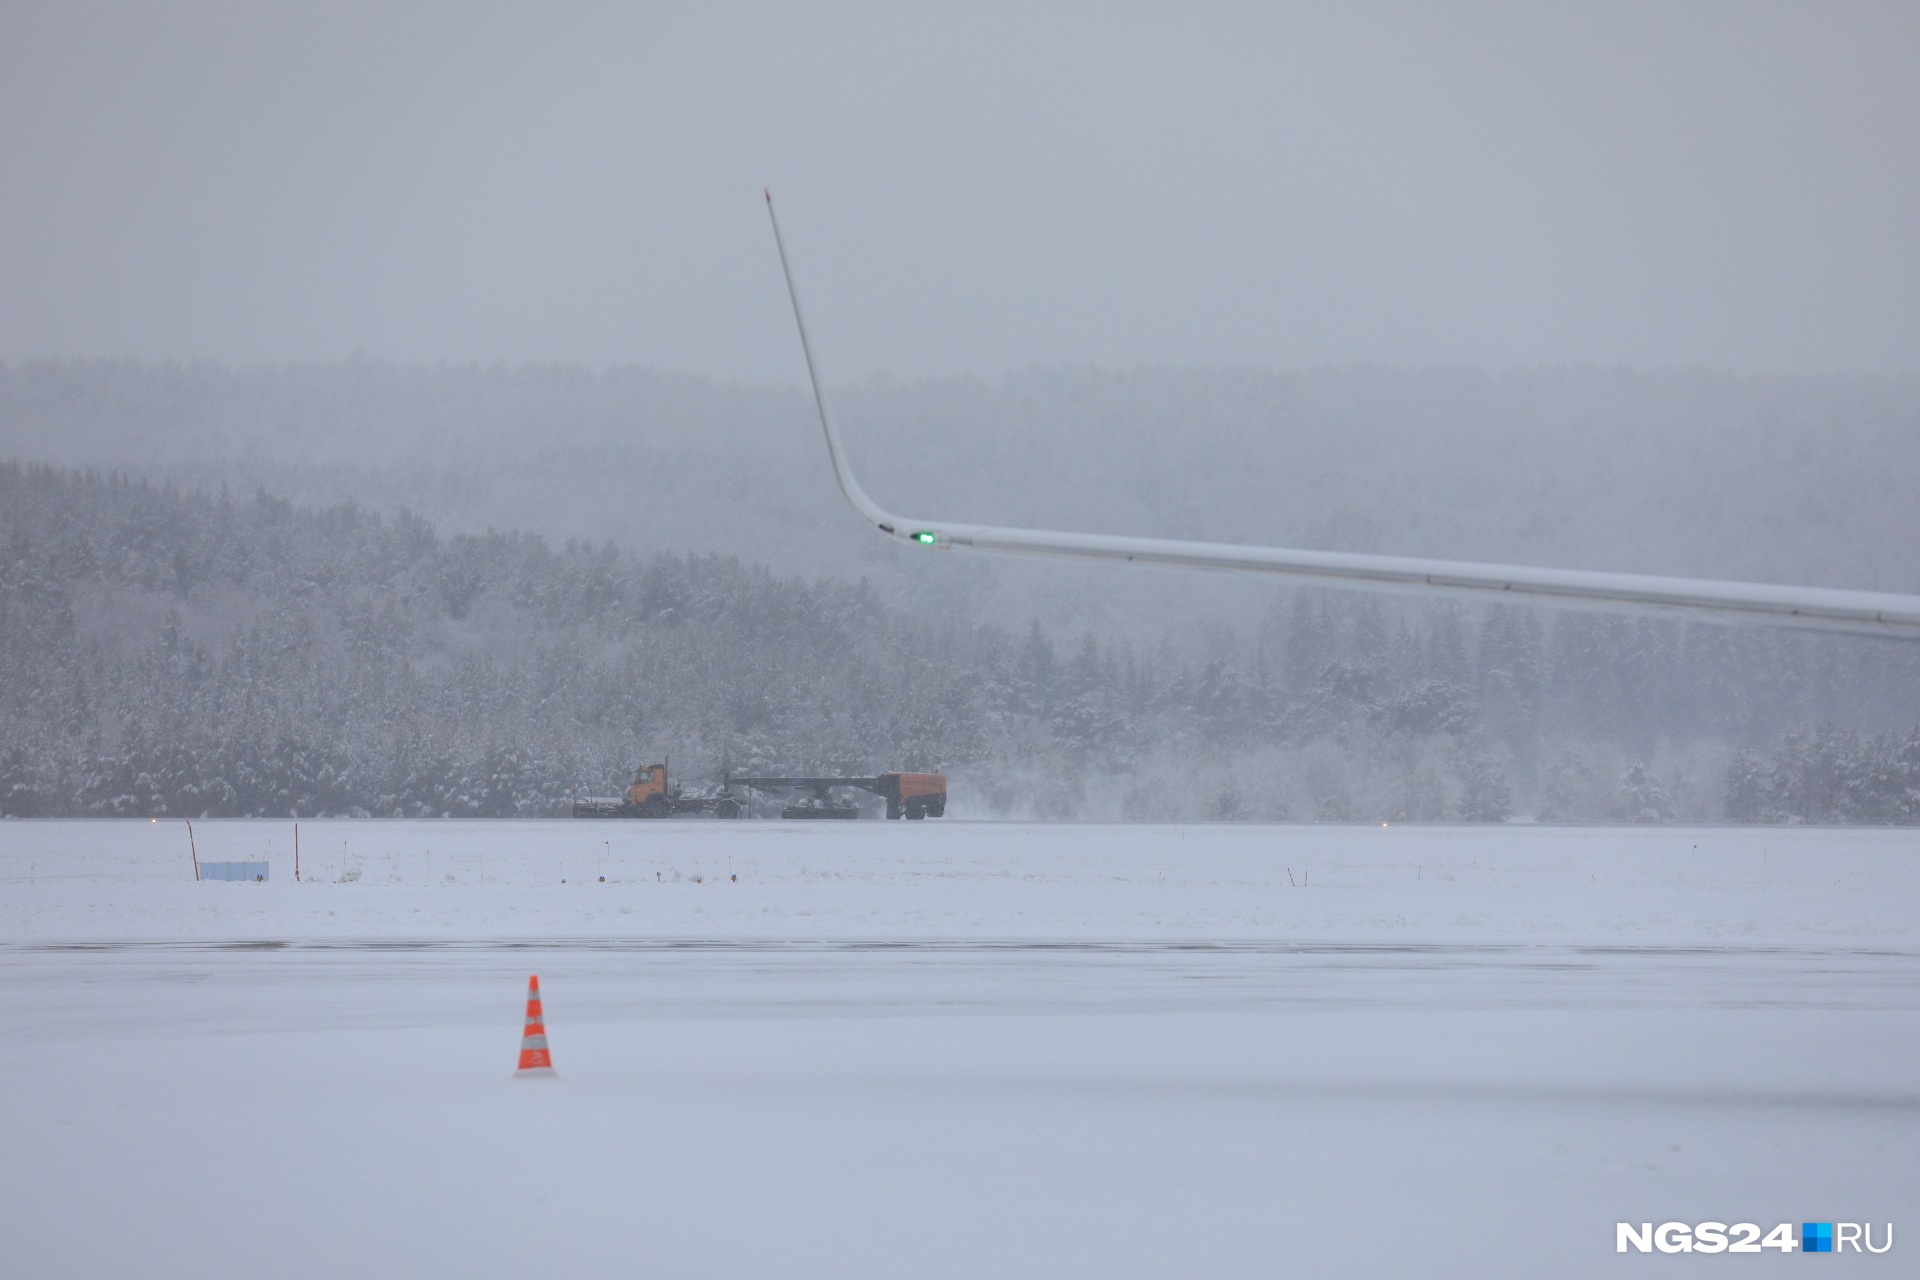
(652, 796)
(908, 795)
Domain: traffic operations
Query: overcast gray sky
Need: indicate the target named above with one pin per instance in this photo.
(967, 188)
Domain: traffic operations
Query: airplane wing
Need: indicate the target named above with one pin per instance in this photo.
(1809, 608)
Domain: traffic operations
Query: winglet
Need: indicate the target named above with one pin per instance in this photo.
(881, 519)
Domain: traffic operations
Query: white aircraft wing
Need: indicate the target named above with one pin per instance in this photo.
(1811, 608)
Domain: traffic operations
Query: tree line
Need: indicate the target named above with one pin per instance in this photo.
(176, 652)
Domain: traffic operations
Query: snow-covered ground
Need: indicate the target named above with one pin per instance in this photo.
(948, 1049)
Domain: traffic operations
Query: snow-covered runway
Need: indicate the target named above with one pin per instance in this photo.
(948, 1049)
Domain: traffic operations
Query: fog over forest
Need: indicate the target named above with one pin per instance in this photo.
(370, 588)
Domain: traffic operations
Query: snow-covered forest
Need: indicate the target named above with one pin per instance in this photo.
(175, 652)
(1805, 480)
(281, 589)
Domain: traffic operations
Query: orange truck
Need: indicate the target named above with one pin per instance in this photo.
(908, 795)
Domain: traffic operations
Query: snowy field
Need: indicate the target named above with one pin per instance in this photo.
(950, 1049)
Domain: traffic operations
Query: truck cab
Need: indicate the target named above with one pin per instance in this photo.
(913, 795)
(649, 785)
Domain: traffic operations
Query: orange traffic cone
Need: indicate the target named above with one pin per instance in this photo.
(534, 1058)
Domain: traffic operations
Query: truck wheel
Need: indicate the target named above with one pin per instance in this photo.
(727, 808)
(655, 807)
(916, 812)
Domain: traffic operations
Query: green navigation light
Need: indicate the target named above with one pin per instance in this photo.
(926, 536)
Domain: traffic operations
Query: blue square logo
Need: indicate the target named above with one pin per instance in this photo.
(1816, 1237)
